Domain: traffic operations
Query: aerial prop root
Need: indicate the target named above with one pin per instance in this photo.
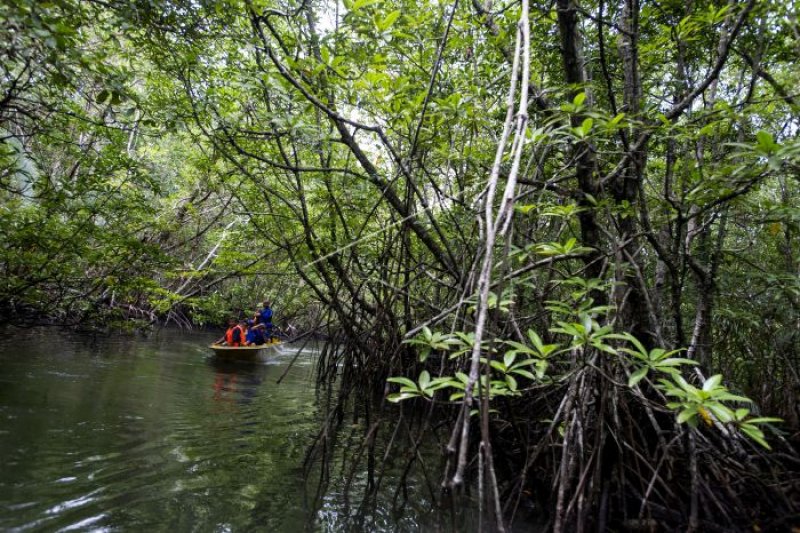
(610, 457)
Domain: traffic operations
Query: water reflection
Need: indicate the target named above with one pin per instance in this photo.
(125, 433)
(130, 433)
(236, 381)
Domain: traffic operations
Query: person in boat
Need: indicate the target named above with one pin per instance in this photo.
(236, 335)
(255, 335)
(264, 317)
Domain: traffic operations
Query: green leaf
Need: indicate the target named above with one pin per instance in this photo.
(579, 99)
(676, 361)
(403, 381)
(358, 4)
(732, 397)
(524, 373)
(616, 120)
(641, 352)
(636, 354)
(686, 415)
(635, 342)
(535, 340)
(683, 384)
(424, 379)
(512, 383)
(387, 22)
(586, 126)
(637, 376)
(755, 434)
(764, 420)
(541, 368)
(765, 141)
(712, 382)
(497, 365)
(400, 396)
(424, 353)
(722, 413)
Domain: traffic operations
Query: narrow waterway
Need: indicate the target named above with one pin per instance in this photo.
(154, 434)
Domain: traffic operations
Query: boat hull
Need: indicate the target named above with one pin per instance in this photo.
(241, 352)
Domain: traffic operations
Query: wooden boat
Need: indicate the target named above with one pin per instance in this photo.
(242, 352)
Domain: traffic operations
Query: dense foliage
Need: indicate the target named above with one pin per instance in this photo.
(559, 217)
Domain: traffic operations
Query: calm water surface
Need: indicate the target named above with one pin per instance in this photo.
(126, 433)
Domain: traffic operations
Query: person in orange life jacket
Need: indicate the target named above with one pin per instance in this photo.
(255, 335)
(223, 340)
(235, 336)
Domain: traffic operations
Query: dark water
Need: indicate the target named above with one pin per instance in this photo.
(127, 433)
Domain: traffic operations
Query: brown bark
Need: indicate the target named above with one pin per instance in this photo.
(634, 311)
(583, 154)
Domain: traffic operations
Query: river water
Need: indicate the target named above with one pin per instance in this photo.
(131, 433)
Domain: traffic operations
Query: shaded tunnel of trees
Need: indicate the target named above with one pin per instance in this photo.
(557, 239)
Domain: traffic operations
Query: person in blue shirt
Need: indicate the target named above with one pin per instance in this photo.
(264, 317)
(265, 314)
(255, 336)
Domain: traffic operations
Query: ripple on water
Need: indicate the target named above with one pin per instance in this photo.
(67, 375)
(87, 523)
(74, 503)
(21, 506)
(152, 434)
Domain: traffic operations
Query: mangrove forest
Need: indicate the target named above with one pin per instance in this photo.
(535, 265)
